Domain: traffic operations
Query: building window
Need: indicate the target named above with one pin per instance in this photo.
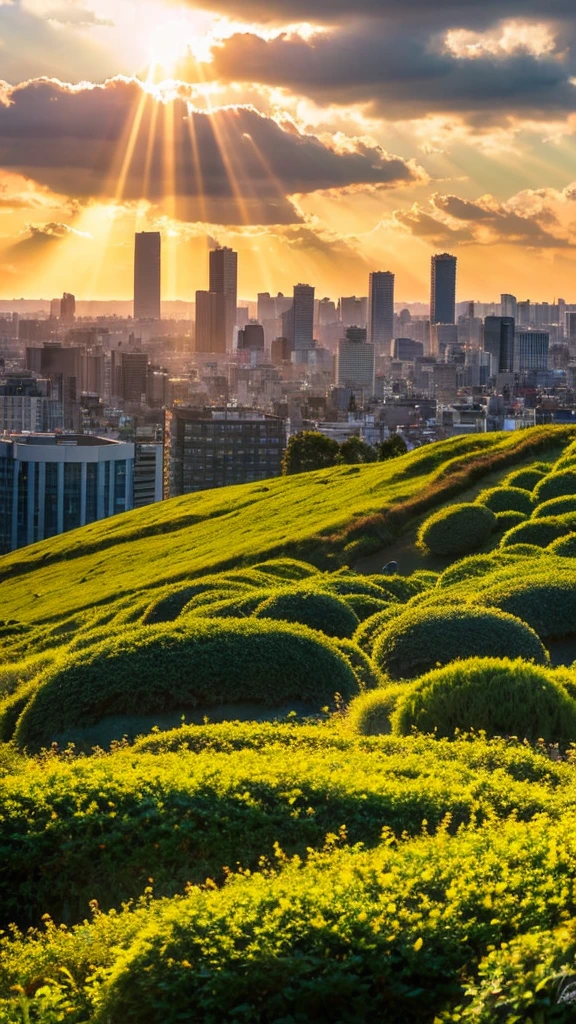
(72, 487)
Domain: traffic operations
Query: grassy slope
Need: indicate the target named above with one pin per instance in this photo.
(199, 533)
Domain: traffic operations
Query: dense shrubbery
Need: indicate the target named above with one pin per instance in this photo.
(415, 642)
(364, 606)
(546, 601)
(467, 568)
(555, 507)
(320, 611)
(507, 520)
(363, 667)
(556, 485)
(457, 529)
(527, 478)
(287, 568)
(564, 546)
(500, 698)
(506, 499)
(201, 663)
(540, 532)
(370, 713)
(368, 630)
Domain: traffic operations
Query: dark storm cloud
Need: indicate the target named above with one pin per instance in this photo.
(230, 166)
(438, 12)
(403, 74)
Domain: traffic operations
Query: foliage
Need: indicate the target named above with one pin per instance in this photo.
(467, 568)
(287, 568)
(365, 606)
(546, 600)
(415, 642)
(370, 713)
(506, 520)
(555, 485)
(555, 506)
(527, 478)
(319, 611)
(499, 698)
(506, 499)
(363, 667)
(354, 450)
(564, 546)
(365, 635)
(309, 450)
(391, 448)
(457, 529)
(540, 532)
(200, 663)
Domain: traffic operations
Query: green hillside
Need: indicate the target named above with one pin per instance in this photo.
(248, 776)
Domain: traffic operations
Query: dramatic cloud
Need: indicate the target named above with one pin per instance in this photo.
(403, 74)
(529, 219)
(233, 165)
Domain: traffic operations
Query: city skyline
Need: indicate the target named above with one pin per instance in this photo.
(318, 141)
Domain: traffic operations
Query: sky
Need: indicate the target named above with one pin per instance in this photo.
(322, 139)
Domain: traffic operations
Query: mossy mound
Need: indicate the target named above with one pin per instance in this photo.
(365, 635)
(527, 478)
(370, 714)
(555, 507)
(540, 532)
(457, 529)
(564, 546)
(546, 601)
(315, 609)
(423, 638)
(555, 485)
(506, 499)
(498, 697)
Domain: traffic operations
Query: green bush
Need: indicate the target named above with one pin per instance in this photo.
(315, 609)
(399, 588)
(555, 507)
(524, 551)
(363, 667)
(467, 568)
(527, 478)
(364, 606)
(198, 664)
(546, 600)
(168, 606)
(564, 546)
(287, 568)
(347, 582)
(457, 529)
(239, 607)
(368, 630)
(425, 578)
(507, 520)
(370, 713)
(555, 485)
(506, 499)
(423, 638)
(540, 532)
(500, 698)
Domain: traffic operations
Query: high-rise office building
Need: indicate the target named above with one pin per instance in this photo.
(381, 310)
(443, 289)
(524, 312)
(531, 350)
(129, 375)
(148, 473)
(303, 316)
(65, 367)
(355, 362)
(216, 447)
(406, 349)
(508, 305)
(224, 280)
(251, 337)
(68, 308)
(211, 322)
(50, 483)
(147, 275)
(354, 311)
(499, 343)
(26, 404)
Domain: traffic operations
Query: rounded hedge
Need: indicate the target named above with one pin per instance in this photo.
(287, 568)
(564, 546)
(467, 568)
(368, 630)
(370, 713)
(555, 485)
(197, 664)
(457, 529)
(524, 551)
(398, 588)
(238, 607)
(555, 507)
(527, 478)
(315, 609)
(546, 601)
(343, 584)
(540, 532)
(499, 697)
(168, 605)
(363, 667)
(507, 520)
(506, 499)
(364, 606)
(423, 638)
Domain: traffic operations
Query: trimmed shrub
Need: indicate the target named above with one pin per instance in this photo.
(424, 578)
(527, 478)
(370, 713)
(168, 606)
(564, 546)
(367, 632)
(457, 529)
(540, 532)
(315, 609)
(555, 485)
(363, 667)
(423, 638)
(506, 499)
(240, 607)
(501, 698)
(199, 664)
(467, 568)
(523, 551)
(364, 606)
(399, 588)
(287, 568)
(507, 520)
(547, 601)
(555, 507)
(342, 584)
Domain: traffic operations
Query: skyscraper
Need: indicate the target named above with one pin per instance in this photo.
(68, 308)
(210, 322)
(531, 350)
(224, 280)
(443, 289)
(303, 312)
(355, 362)
(499, 343)
(508, 304)
(147, 270)
(381, 309)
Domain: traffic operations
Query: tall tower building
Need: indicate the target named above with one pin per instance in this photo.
(147, 270)
(68, 308)
(509, 304)
(224, 280)
(381, 310)
(303, 313)
(499, 343)
(443, 289)
(355, 362)
(210, 322)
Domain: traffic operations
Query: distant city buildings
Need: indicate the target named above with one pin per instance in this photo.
(443, 289)
(147, 275)
(381, 310)
(224, 282)
(355, 363)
